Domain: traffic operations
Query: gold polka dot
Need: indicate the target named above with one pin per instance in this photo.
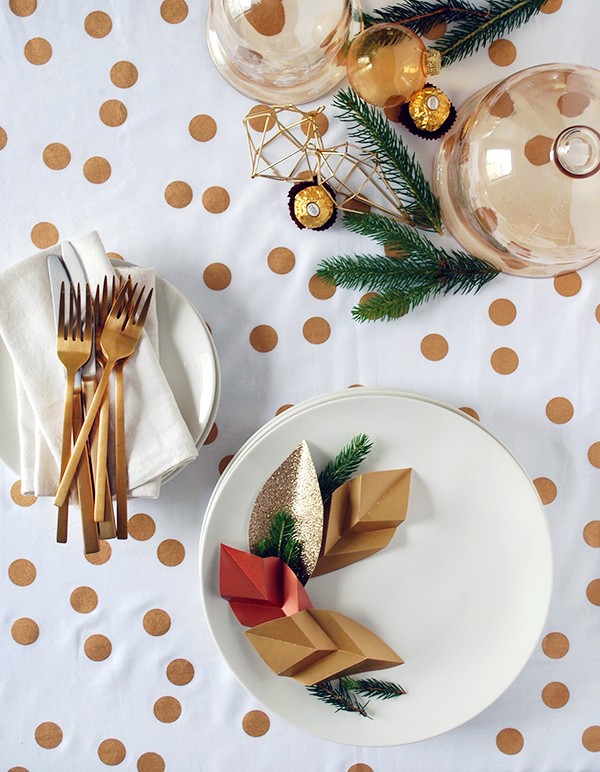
(15, 490)
(591, 534)
(598, 314)
(316, 330)
(593, 592)
(97, 24)
(267, 17)
(217, 276)
(123, 74)
(354, 205)
(320, 289)
(263, 338)
(510, 741)
(572, 104)
(594, 455)
(3, 138)
(437, 31)
(178, 194)
(37, 51)
(393, 108)
(215, 199)
(114, 255)
(502, 53)
(551, 6)
(102, 556)
(434, 347)
(113, 113)
(537, 150)
(282, 260)
(502, 312)
(150, 762)
(223, 463)
(555, 695)
(502, 107)
(174, 11)
(367, 296)
(22, 572)
(256, 723)
(319, 120)
(469, 411)
(44, 235)
(202, 128)
(170, 552)
(487, 218)
(555, 645)
(96, 170)
(568, 284)
(504, 361)
(141, 526)
(180, 672)
(84, 599)
(97, 648)
(56, 156)
(22, 7)
(18, 769)
(48, 735)
(111, 752)
(156, 622)
(25, 631)
(282, 409)
(546, 489)
(212, 435)
(591, 739)
(559, 410)
(356, 386)
(167, 709)
(264, 118)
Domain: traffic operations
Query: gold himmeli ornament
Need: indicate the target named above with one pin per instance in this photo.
(286, 144)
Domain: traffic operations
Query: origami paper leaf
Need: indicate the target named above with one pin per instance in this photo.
(316, 645)
(294, 488)
(259, 589)
(362, 517)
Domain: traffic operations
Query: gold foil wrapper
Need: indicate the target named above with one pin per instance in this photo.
(432, 61)
(313, 206)
(429, 108)
(294, 487)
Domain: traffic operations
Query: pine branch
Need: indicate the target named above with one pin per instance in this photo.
(344, 465)
(421, 15)
(470, 33)
(339, 697)
(370, 128)
(389, 233)
(372, 687)
(282, 542)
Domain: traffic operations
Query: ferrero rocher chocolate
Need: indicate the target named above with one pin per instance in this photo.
(312, 205)
(428, 114)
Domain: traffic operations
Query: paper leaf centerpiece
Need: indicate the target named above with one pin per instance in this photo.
(316, 645)
(293, 487)
(362, 517)
(259, 589)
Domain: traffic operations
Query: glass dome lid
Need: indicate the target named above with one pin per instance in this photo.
(519, 175)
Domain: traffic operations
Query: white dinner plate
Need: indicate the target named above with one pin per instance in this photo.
(461, 593)
(187, 356)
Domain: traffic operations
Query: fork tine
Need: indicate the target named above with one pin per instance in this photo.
(89, 329)
(127, 311)
(137, 304)
(144, 312)
(119, 302)
(71, 322)
(78, 321)
(61, 313)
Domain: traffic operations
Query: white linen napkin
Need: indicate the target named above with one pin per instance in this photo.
(158, 440)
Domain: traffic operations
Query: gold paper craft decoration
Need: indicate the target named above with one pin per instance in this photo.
(285, 144)
(293, 487)
(362, 517)
(316, 645)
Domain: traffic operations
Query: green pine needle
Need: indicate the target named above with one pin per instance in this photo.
(372, 687)
(338, 696)
(282, 542)
(421, 15)
(373, 132)
(344, 465)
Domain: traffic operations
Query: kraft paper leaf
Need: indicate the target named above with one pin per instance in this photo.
(293, 487)
(362, 517)
(259, 589)
(316, 645)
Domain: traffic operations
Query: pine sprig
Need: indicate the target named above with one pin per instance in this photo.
(282, 542)
(344, 465)
(373, 687)
(338, 696)
(421, 15)
(372, 131)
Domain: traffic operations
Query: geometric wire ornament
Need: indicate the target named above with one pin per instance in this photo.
(285, 144)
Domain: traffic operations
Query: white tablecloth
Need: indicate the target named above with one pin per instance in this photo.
(83, 682)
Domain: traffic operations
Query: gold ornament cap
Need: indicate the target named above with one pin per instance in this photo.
(429, 108)
(432, 62)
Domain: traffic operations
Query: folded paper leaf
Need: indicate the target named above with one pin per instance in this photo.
(259, 589)
(362, 517)
(294, 488)
(316, 645)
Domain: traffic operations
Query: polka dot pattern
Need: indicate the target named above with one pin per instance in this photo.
(555, 695)
(551, 6)
(282, 409)
(19, 498)
(111, 752)
(22, 7)
(56, 156)
(261, 118)
(178, 194)
(510, 741)
(591, 533)
(504, 361)
(141, 526)
(167, 709)
(124, 74)
(594, 455)
(84, 600)
(48, 735)
(25, 631)
(96, 170)
(215, 199)
(98, 24)
(102, 556)
(151, 762)
(469, 411)
(217, 276)
(316, 330)
(555, 645)
(256, 723)
(502, 53)
(320, 289)
(38, 51)
(174, 11)
(171, 552)
(593, 592)
(434, 347)
(202, 128)
(537, 150)
(263, 338)
(113, 113)
(180, 672)
(590, 739)
(97, 648)
(156, 622)
(223, 463)
(559, 410)
(502, 312)
(3, 138)
(281, 260)
(546, 489)
(22, 572)
(212, 435)
(44, 235)
(568, 284)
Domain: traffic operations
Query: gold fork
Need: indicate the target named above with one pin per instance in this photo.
(119, 339)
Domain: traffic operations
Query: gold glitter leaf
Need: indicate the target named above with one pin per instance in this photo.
(293, 487)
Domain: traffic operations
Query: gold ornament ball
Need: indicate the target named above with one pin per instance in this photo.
(388, 63)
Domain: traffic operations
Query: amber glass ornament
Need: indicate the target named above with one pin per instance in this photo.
(518, 175)
(388, 63)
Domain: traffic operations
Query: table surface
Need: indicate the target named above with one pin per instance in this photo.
(114, 119)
